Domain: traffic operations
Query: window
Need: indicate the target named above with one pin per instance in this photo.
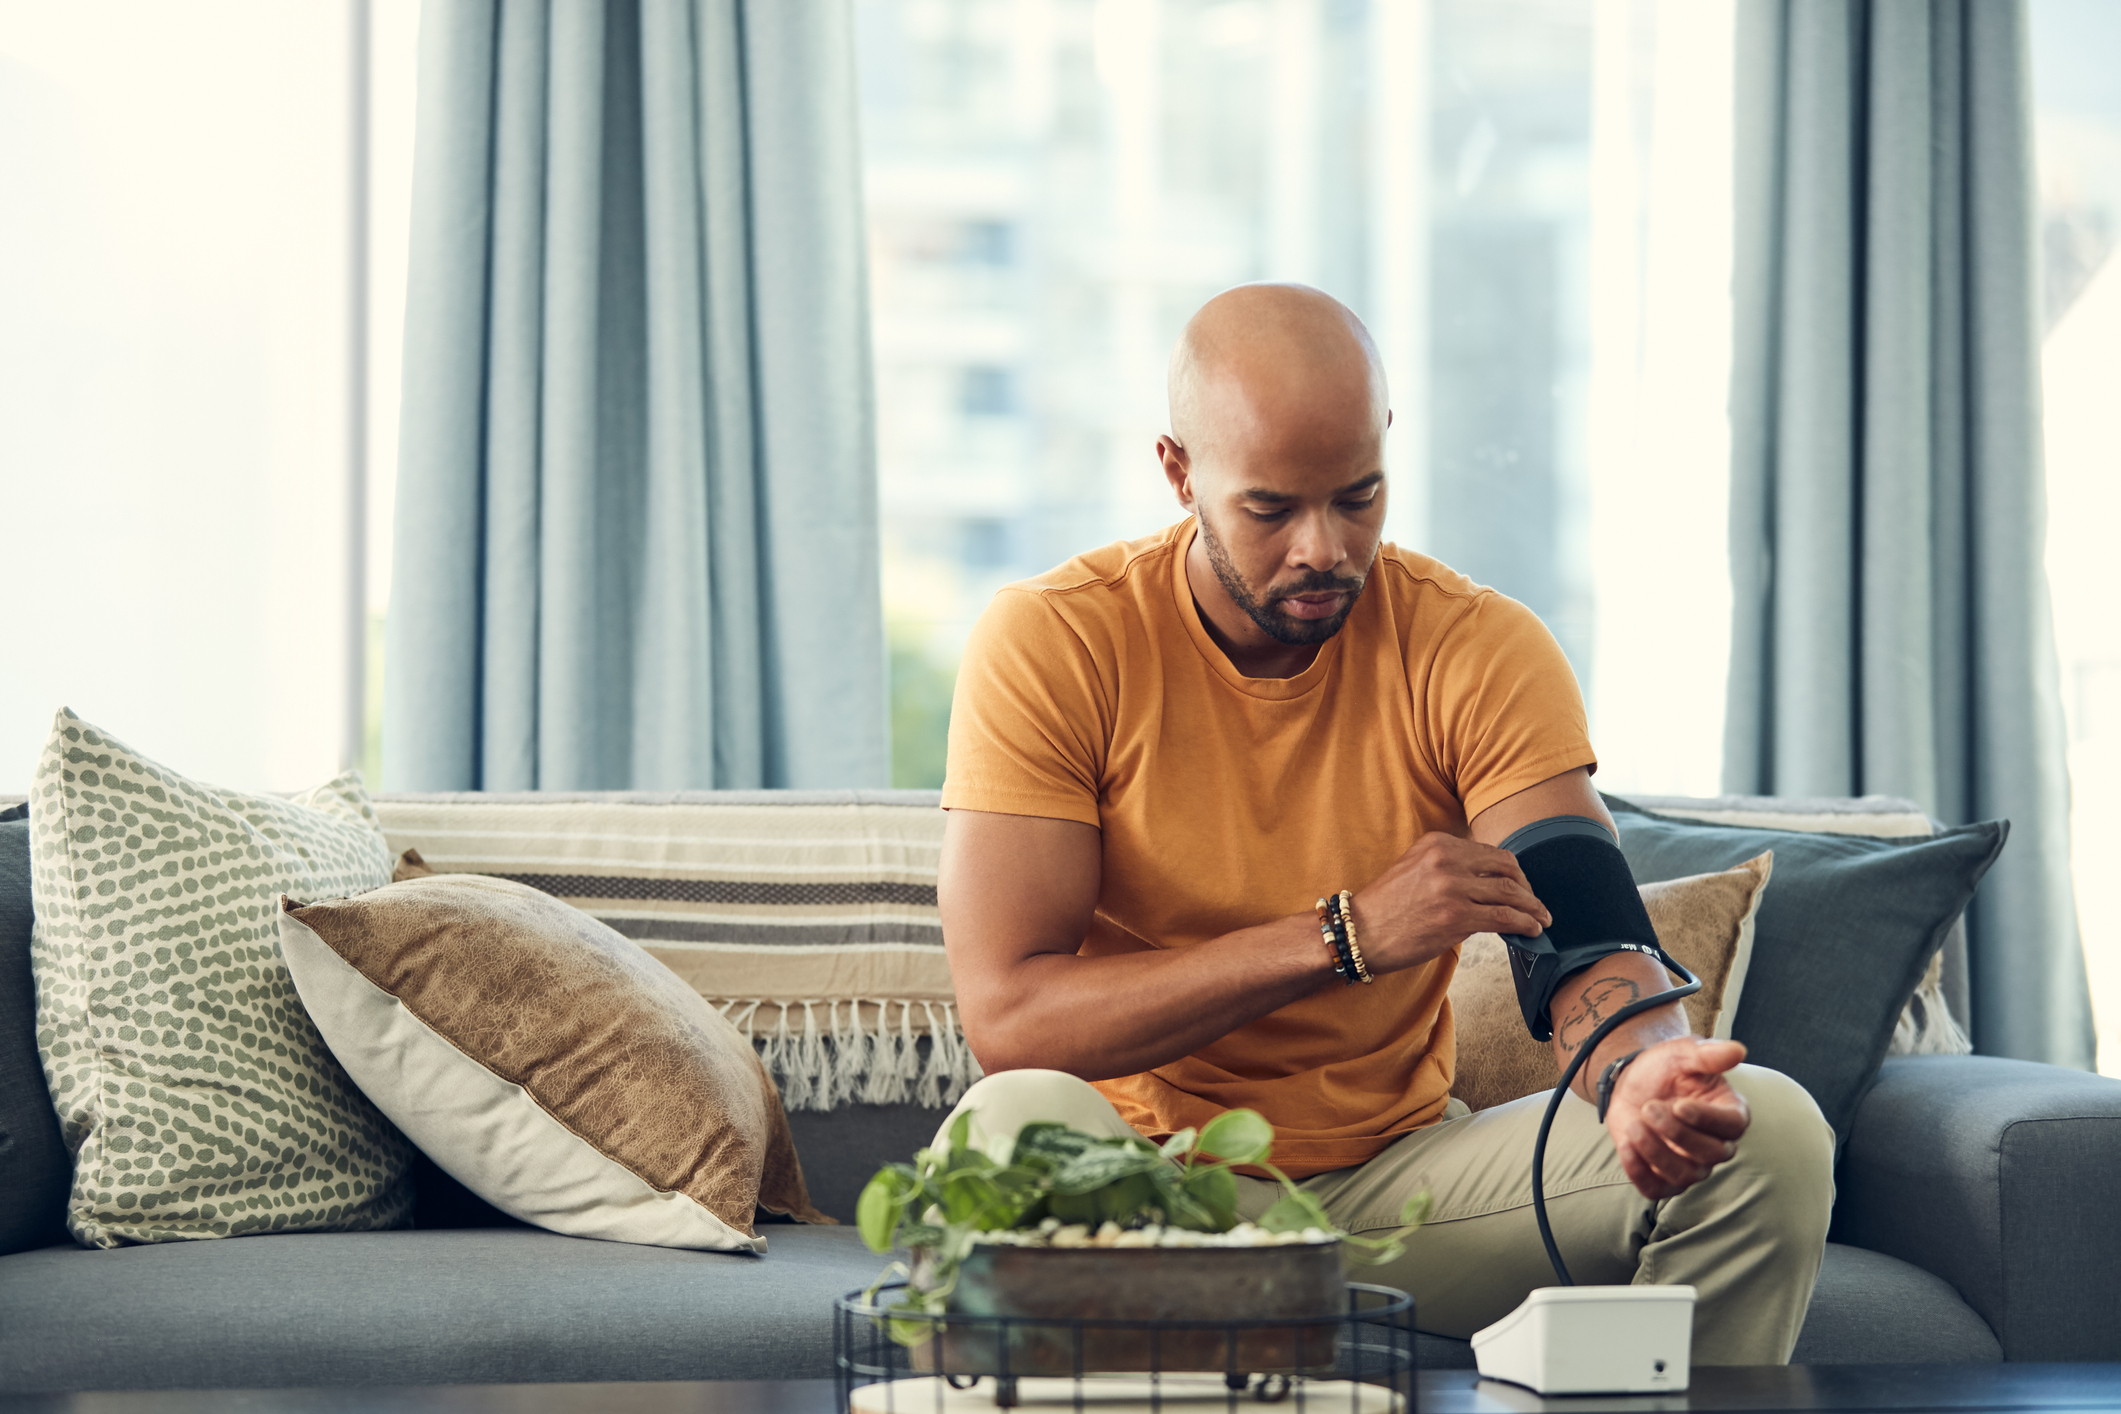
(1527, 201)
(201, 268)
(2077, 98)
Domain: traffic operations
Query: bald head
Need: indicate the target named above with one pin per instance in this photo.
(1260, 366)
(1278, 416)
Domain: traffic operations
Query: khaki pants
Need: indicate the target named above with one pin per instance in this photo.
(1748, 1237)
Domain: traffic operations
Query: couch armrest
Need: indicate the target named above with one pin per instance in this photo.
(1997, 1175)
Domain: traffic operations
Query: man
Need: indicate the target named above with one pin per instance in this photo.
(1163, 752)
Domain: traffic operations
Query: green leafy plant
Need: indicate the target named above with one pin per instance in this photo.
(937, 1204)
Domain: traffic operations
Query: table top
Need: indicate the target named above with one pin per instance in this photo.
(1891, 1389)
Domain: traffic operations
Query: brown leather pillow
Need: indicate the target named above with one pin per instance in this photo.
(548, 1063)
(1705, 921)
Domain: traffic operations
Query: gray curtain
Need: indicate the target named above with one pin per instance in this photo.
(1891, 630)
(636, 512)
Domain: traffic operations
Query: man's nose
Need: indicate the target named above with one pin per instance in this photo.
(1319, 544)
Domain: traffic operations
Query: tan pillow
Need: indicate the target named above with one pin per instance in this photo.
(1705, 921)
(550, 1064)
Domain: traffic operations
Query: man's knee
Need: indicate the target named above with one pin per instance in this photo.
(1007, 1100)
(1787, 1151)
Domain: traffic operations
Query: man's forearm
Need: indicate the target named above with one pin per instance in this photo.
(1116, 1014)
(1586, 999)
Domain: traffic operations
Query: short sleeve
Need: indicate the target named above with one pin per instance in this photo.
(1503, 709)
(1030, 719)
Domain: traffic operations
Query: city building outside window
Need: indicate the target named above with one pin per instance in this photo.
(1527, 201)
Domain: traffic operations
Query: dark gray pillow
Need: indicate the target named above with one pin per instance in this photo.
(1845, 929)
(35, 1169)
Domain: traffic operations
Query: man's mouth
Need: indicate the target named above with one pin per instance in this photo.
(1313, 606)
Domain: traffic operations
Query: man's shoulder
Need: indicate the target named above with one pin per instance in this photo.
(1409, 574)
(1123, 567)
(1102, 595)
(1443, 615)
(1434, 605)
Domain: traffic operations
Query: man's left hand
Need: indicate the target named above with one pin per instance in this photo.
(1674, 1116)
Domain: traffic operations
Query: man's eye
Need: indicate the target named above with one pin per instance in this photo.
(1269, 517)
(1364, 504)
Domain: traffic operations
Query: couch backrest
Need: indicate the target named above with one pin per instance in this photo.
(808, 918)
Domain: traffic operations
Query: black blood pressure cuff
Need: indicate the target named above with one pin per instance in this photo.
(1579, 873)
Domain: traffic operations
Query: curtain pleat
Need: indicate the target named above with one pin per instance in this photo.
(1891, 628)
(637, 521)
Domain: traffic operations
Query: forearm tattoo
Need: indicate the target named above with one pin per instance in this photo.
(1599, 999)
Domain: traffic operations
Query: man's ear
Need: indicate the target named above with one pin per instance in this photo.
(1178, 469)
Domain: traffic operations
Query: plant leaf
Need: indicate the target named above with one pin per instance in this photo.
(967, 1194)
(1294, 1211)
(1130, 1198)
(1094, 1168)
(877, 1217)
(1054, 1142)
(883, 1204)
(1370, 1251)
(1214, 1187)
(1179, 1145)
(1240, 1136)
(1073, 1207)
(1182, 1209)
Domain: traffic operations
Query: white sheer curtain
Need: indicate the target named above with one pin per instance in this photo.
(1660, 372)
(175, 330)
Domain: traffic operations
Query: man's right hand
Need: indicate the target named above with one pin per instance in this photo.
(1440, 892)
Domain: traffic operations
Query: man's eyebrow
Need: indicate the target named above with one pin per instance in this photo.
(1278, 498)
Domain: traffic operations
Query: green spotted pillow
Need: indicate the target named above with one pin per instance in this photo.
(197, 1096)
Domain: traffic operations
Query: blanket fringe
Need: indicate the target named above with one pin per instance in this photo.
(822, 1063)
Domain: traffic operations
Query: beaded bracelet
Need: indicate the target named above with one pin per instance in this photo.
(1346, 910)
(1336, 942)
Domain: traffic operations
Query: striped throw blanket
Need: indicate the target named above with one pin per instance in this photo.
(807, 918)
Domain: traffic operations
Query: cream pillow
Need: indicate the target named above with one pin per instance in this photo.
(197, 1097)
(550, 1064)
(1705, 922)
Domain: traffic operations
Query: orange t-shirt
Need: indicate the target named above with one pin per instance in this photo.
(1094, 693)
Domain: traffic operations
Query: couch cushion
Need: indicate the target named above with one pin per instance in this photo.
(1843, 936)
(519, 1304)
(495, 1305)
(1871, 1309)
(35, 1169)
(1935, 1019)
(196, 1095)
(557, 1069)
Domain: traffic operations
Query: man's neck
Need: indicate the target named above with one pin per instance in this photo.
(1250, 648)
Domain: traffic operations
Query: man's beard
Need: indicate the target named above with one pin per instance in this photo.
(1297, 633)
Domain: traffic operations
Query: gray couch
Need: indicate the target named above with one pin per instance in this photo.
(1975, 1221)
